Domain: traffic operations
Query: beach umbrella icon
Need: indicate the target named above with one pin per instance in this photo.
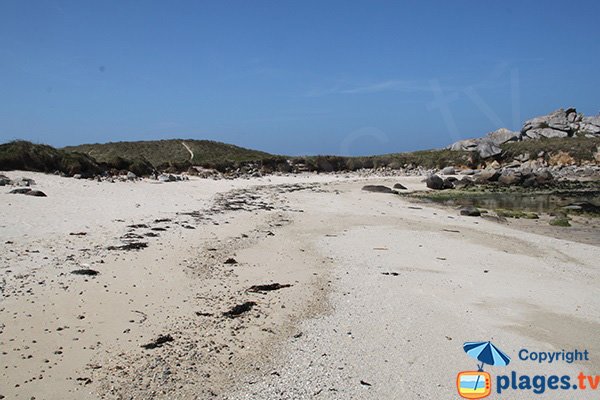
(487, 353)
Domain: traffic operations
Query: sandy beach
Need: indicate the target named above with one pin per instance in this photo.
(128, 290)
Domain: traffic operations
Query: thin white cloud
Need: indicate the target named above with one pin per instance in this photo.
(392, 85)
(388, 86)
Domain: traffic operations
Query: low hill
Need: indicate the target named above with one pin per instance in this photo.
(171, 153)
(28, 156)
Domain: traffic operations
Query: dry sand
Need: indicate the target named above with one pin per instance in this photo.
(382, 291)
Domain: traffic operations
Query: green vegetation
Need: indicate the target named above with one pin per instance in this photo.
(579, 148)
(145, 157)
(37, 157)
(424, 158)
(165, 154)
(516, 214)
(560, 221)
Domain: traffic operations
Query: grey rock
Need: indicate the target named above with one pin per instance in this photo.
(378, 189)
(487, 149)
(35, 193)
(588, 128)
(167, 178)
(522, 157)
(464, 183)
(449, 183)
(131, 176)
(23, 190)
(545, 132)
(487, 175)
(448, 171)
(557, 120)
(400, 186)
(25, 182)
(504, 135)
(470, 211)
(594, 120)
(509, 178)
(464, 145)
(468, 172)
(77, 176)
(435, 182)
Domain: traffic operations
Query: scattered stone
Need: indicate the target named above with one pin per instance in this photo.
(378, 189)
(20, 190)
(268, 287)
(129, 246)
(85, 271)
(390, 273)
(230, 261)
(470, 211)
(131, 176)
(35, 193)
(158, 342)
(400, 186)
(77, 233)
(4, 180)
(203, 314)
(239, 309)
(364, 383)
(84, 381)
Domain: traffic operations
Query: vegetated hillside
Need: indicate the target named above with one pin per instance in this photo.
(580, 149)
(171, 153)
(28, 156)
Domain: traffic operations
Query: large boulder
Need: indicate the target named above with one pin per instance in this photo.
(435, 182)
(510, 178)
(590, 125)
(545, 132)
(504, 135)
(559, 123)
(487, 146)
(487, 149)
(487, 175)
(448, 171)
(464, 145)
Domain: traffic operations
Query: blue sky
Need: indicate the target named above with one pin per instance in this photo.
(292, 77)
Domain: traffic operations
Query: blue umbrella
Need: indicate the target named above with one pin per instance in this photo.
(487, 353)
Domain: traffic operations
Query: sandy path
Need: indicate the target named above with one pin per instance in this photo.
(189, 150)
(341, 321)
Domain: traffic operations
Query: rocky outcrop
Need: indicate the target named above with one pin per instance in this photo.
(487, 146)
(561, 123)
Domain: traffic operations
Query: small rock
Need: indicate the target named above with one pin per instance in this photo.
(35, 193)
(378, 189)
(470, 211)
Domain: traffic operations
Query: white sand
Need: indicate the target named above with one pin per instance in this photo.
(355, 323)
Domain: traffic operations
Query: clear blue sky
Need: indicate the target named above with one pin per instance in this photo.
(292, 77)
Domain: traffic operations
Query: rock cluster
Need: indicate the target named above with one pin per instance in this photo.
(558, 124)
